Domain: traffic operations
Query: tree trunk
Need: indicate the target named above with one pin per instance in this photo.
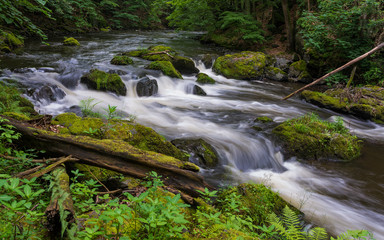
(289, 26)
(115, 155)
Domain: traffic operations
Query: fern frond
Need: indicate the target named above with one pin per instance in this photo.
(290, 218)
(318, 233)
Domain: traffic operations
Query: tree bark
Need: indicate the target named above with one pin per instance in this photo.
(289, 26)
(115, 155)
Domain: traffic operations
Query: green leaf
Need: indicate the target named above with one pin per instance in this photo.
(5, 198)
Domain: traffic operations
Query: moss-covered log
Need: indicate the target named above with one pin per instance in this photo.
(115, 155)
(61, 201)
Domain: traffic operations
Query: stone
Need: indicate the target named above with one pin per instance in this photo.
(184, 65)
(298, 72)
(71, 42)
(147, 87)
(203, 78)
(102, 81)
(198, 91)
(166, 68)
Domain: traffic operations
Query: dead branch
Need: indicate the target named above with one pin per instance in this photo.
(337, 70)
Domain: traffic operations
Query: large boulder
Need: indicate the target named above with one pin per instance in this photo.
(184, 65)
(363, 102)
(166, 68)
(310, 138)
(244, 65)
(199, 150)
(102, 81)
(298, 72)
(147, 87)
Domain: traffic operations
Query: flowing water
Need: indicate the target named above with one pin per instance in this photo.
(338, 196)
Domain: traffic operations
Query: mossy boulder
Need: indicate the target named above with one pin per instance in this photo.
(363, 102)
(184, 65)
(275, 74)
(263, 119)
(10, 42)
(121, 60)
(311, 138)
(165, 67)
(154, 53)
(203, 78)
(137, 135)
(102, 81)
(244, 65)
(298, 72)
(199, 150)
(71, 42)
(11, 100)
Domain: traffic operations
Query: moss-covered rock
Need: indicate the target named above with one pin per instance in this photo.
(121, 60)
(102, 81)
(165, 67)
(310, 138)
(364, 102)
(137, 135)
(199, 150)
(153, 53)
(17, 116)
(244, 65)
(263, 119)
(275, 74)
(9, 42)
(11, 100)
(298, 72)
(71, 42)
(208, 60)
(203, 78)
(184, 65)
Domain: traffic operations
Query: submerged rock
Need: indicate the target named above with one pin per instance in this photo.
(48, 94)
(102, 81)
(203, 78)
(147, 87)
(311, 138)
(165, 67)
(184, 65)
(364, 102)
(244, 65)
(199, 150)
(208, 60)
(198, 91)
(71, 42)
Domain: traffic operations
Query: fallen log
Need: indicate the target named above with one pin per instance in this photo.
(60, 211)
(337, 70)
(115, 155)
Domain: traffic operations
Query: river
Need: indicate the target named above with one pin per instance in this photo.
(334, 195)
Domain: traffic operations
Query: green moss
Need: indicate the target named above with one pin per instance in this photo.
(263, 119)
(121, 60)
(71, 42)
(131, 182)
(17, 116)
(148, 54)
(77, 125)
(166, 67)
(245, 65)
(324, 100)
(300, 65)
(308, 137)
(203, 78)
(103, 81)
(12, 101)
(184, 65)
(135, 53)
(101, 174)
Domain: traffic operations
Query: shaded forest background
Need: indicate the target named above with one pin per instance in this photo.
(326, 33)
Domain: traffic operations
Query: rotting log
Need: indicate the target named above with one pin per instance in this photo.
(115, 155)
(61, 202)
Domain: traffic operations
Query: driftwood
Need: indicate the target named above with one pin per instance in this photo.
(161, 52)
(115, 155)
(49, 168)
(337, 70)
(61, 202)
